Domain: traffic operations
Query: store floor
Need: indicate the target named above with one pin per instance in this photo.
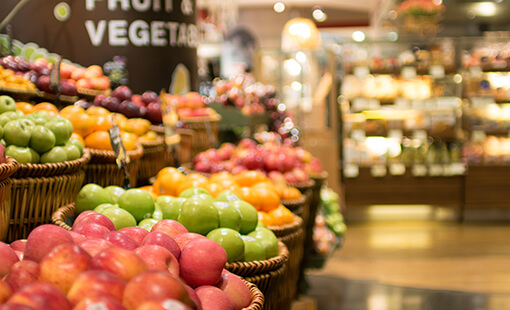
(417, 265)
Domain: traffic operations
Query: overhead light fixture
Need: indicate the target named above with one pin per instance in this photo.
(485, 9)
(393, 36)
(319, 15)
(358, 36)
(279, 7)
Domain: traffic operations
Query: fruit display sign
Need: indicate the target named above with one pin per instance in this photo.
(157, 38)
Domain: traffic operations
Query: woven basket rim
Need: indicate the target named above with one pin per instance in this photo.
(59, 216)
(156, 143)
(92, 92)
(257, 298)
(52, 169)
(287, 229)
(319, 176)
(303, 185)
(8, 168)
(201, 119)
(262, 266)
(109, 156)
(19, 91)
(295, 202)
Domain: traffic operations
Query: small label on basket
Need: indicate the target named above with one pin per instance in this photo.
(55, 76)
(117, 145)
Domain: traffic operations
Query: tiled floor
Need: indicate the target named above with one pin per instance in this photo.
(417, 265)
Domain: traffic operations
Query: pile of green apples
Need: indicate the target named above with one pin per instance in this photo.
(37, 137)
(226, 219)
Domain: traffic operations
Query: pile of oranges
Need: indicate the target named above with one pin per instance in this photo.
(251, 186)
(92, 125)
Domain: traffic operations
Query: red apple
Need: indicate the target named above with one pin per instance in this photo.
(94, 284)
(15, 307)
(78, 74)
(5, 291)
(194, 298)
(93, 217)
(202, 261)
(159, 238)
(86, 213)
(91, 230)
(135, 233)
(99, 303)
(19, 245)
(7, 258)
(83, 83)
(22, 273)
(183, 239)
(122, 93)
(169, 227)
(95, 245)
(158, 258)
(148, 97)
(194, 100)
(121, 240)
(235, 289)
(41, 296)
(212, 298)
(120, 262)
(77, 238)
(137, 99)
(19, 254)
(154, 286)
(62, 265)
(154, 113)
(43, 239)
(167, 304)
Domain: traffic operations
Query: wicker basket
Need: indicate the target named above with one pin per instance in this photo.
(6, 170)
(103, 170)
(185, 145)
(205, 132)
(38, 190)
(257, 298)
(152, 160)
(292, 235)
(296, 206)
(267, 275)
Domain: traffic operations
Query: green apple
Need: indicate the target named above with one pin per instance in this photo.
(137, 202)
(56, 154)
(36, 158)
(157, 214)
(39, 117)
(1, 132)
(91, 196)
(7, 104)
(254, 250)
(120, 217)
(147, 223)
(268, 239)
(42, 139)
(170, 206)
(3, 142)
(17, 133)
(72, 151)
(115, 192)
(198, 215)
(62, 129)
(4, 118)
(21, 154)
(73, 141)
(249, 216)
(103, 206)
(190, 192)
(230, 216)
(19, 114)
(231, 241)
(227, 196)
(11, 115)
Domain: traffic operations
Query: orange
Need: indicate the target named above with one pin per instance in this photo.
(102, 122)
(167, 170)
(223, 175)
(138, 126)
(129, 140)
(120, 120)
(214, 189)
(281, 216)
(70, 110)
(265, 218)
(291, 193)
(24, 107)
(250, 177)
(267, 185)
(98, 140)
(46, 106)
(248, 195)
(83, 124)
(188, 183)
(149, 190)
(169, 183)
(196, 176)
(265, 198)
(95, 110)
(78, 137)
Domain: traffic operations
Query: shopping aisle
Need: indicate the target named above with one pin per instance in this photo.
(417, 265)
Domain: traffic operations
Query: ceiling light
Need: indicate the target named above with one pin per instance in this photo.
(319, 15)
(393, 36)
(485, 9)
(358, 36)
(279, 7)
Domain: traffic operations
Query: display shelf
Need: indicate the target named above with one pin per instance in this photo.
(487, 186)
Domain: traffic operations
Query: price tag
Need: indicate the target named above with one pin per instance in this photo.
(351, 171)
(408, 73)
(437, 71)
(361, 72)
(378, 171)
(358, 135)
(457, 169)
(480, 102)
(420, 135)
(436, 170)
(55, 76)
(120, 151)
(419, 170)
(397, 169)
(476, 72)
(360, 104)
